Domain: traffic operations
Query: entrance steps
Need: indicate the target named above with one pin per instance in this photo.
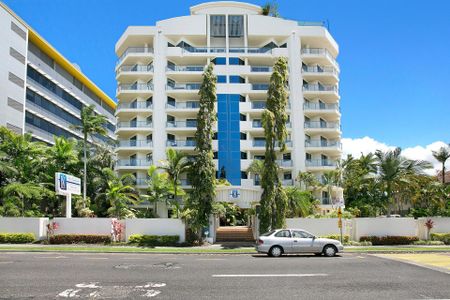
(234, 234)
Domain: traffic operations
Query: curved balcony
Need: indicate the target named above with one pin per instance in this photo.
(314, 87)
(325, 74)
(135, 88)
(138, 52)
(318, 55)
(183, 105)
(322, 144)
(133, 144)
(181, 144)
(192, 124)
(133, 107)
(322, 125)
(133, 163)
(190, 68)
(320, 163)
(134, 72)
(134, 126)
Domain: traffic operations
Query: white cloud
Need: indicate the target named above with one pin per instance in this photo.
(367, 144)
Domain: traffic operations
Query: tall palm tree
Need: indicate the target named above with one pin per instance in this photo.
(256, 168)
(91, 124)
(299, 202)
(176, 164)
(159, 187)
(331, 179)
(442, 155)
(63, 154)
(307, 180)
(394, 170)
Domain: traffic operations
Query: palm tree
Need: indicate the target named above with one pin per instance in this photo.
(16, 194)
(393, 170)
(331, 179)
(120, 198)
(63, 155)
(256, 168)
(299, 202)
(307, 179)
(270, 9)
(176, 164)
(7, 170)
(159, 187)
(441, 156)
(91, 124)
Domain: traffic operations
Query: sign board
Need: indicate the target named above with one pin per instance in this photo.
(234, 194)
(67, 184)
(340, 203)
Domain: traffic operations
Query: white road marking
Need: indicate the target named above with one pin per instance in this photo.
(96, 258)
(69, 293)
(93, 290)
(151, 293)
(210, 259)
(6, 262)
(269, 275)
(91, 285)
(154, 285)
(57, 257)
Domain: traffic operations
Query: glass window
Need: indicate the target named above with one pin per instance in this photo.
(243, 155)
(217, 26)
(221, 79)
(242, 117)
(236, 79)
(244, 175)
(235, 26)
(283, 233)
(219, 61)
(301, 234)
(268, 233)
(236, 61)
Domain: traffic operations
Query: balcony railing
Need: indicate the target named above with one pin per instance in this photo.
(135, 87)
(134, 50)
(320, 88)
(284, 163)
(320, 106)
(135, 143)
(325, 201)
(135, 68)
(187, 86)
(257, 124)
(319, 52)
(141, 181)
(135, 105)
(260, 86)
(320, 163)
(320, 124)
(287, 182)
(319, 69)
(257, 69)
(252, 50)
(181, 143)
(185, 68)
(204, 49)
(258, 104)
(185, 182)
(134, 162)
(182, 124)
(184, 105)
(319, 143)
(135, 124)
(261, 143)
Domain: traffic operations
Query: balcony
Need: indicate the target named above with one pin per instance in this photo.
(262, 143)
(146, 88)
(180, 143)
(133, 106)
(135, 68)
(260, 86)
(183, 105)
(320, 88)
(320, 55)
(135, 144)
(322, 144)
(320, 106)
(192, 124)
(135, 51)
(261, 69)
(257, 124)
(325, 74)
(259, 51)
(284, 163)
(191, 68)
(134, 125)
(287, 182)
(185, 182)
(259, 104)
(132, 163)
(183, 87)
(321, 125)
(320, 163)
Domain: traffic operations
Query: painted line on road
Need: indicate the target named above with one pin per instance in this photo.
(268, 275)
(6, 262)
(96, 257)
(207, 259)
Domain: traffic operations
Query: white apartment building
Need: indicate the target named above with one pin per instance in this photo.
(159, 71)
(41, 92)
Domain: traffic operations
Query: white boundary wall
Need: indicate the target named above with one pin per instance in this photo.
(83, 226)
(157, 226)
(384, 226)
(317, 227)
(37, 226)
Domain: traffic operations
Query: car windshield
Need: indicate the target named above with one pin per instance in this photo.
(301, 234)
(268, 233)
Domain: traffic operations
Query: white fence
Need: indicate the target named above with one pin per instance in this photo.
(36, 226)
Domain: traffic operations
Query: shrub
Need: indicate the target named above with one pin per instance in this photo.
(337, 237)
(443, 237)
(154, 240)
(430, 243)
(16, 238)
(80, 238)
(389, 240)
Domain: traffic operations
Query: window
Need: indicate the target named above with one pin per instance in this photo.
(215, 155)
(243, 155)
(241, 98)
(243, 136)
(236, 79)
(236, 61)
(221, 79)
(219, 61)
(244, 175)
(218, 26)
(287, 176)
(235, 26)
(287, 156)
(283, 233)
(301, 235)
(242, 117)
(214, 137)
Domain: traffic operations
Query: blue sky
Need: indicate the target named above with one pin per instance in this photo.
(394, 55)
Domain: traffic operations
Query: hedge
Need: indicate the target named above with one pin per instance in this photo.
(80, 238)
(443, 237)
(389, 240)
(337, 237)
(153, 240)
(16, 238)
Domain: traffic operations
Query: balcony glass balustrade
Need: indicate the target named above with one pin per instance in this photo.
(258, 104)
(182, 124)
(180, 143)
(320, 163)
(134, 50)
(260, 86)
(319, 52)
(319, 69)
(319, 143)
(184, 105)
(134, 162)
(135, 105)
(135, 143)
(261, 143)
(135, 87)
(320, 106)
(185, 68)
(257, 69)
(135, 68)
(186, 86)
(320, 88)
(135, 124)
(320, 124)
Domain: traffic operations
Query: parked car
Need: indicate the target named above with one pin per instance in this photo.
(286, 241)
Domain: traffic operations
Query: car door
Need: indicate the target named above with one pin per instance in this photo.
(284, 239)
(302, 242)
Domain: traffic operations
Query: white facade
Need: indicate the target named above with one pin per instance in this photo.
(159, 71)
(41, 92)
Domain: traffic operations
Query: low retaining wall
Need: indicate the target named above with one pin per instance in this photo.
(155, 227)
(83, 226)
(36, 226)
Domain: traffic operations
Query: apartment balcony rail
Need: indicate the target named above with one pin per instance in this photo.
(186, 86)
(141, 181)
(135, 124)
(324, 143)
(260, 86)
(135, 105)
(284, 163)
(307, 23)
(287, 182)
(135, 68)
(134, 50)
(319, 52)
(319, 69)
(259, 104)
(320, 88)
(257, 124)
(180, 143)
(320, 106)
(197, 68)
(135, 143)
(133, 162)
(185, 182)
(135, 87)
(251, 50)
(320, 124)
(184, 105)
(34, 107)
(320, 163)
(204, 49)
(262, 143)
(182, 124)
(257, 69)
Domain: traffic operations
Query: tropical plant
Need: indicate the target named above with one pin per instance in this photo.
(301, 203)
(270, 9)
(330, 180)
(307, 180)
(273, 200)
(22, 199)
(442, 155)
(91, 125)
(176, 164)
(121, 197)
(159, 188)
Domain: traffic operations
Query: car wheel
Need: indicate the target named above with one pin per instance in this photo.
(329, 250)
(275, 251)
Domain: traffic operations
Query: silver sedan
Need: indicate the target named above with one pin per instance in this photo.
(285, 241)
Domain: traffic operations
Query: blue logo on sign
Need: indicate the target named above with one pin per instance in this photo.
(63, 182)
(235, 194)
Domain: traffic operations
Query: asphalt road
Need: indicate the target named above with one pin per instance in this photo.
(168, 276)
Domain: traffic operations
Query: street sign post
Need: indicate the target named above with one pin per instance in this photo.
(67, 185)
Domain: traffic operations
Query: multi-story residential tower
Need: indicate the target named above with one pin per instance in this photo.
(159, 71)
(41, 91)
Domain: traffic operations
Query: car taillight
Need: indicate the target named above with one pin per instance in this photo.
(260, 242)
